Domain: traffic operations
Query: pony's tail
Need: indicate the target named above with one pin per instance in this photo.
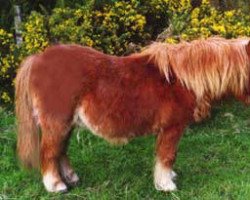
(28, 139)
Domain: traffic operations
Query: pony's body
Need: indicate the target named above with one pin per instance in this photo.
(117, 98)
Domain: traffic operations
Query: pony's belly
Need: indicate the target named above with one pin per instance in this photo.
(82, 119)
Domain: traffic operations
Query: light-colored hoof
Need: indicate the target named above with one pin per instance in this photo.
(163, 178)
(52, 184)
(166, 186)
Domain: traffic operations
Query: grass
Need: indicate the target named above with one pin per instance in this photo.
(213, 163)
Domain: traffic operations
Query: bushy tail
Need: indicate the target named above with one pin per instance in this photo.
(28, 139)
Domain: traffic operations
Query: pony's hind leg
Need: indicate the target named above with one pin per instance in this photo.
(167, 142)
(54, 134)
(67, 172)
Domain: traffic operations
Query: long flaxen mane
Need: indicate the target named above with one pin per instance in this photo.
(213, 67)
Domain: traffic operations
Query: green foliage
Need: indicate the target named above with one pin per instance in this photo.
(35, 39)
(7, 65)
(109, 30)
(6, 14)
(118, 25)
(34, 34)
(71, 26)
(205, 21)
(157, 14)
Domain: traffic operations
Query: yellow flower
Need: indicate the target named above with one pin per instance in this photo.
(219, 28)
(5, 97)
(195, 22)
(230, 13)
(171, 40)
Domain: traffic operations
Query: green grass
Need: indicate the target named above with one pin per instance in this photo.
(213, 163)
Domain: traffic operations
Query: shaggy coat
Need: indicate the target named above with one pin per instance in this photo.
(210, 68)
(118, 98)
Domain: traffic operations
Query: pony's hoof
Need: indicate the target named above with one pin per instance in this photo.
(163, 178)
(62, 189)
(72, 180)
(166, 186)
(53, 184)
(59, 187)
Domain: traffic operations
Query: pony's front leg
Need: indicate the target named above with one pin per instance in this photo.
(167, 142)
(52, 145)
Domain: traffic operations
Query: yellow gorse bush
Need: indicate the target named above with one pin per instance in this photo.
(34, 34)
(7, 65)
(116, 26)
(109, 29)
(71, 26)
(205, 21)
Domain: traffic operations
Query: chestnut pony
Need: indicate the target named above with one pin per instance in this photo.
(160, 90)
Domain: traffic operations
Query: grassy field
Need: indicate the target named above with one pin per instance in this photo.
(213, 163)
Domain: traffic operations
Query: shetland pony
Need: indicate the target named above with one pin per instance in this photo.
(119, 98)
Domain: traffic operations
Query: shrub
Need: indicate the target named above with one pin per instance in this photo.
(35, 39)
(205, 21)
(109, 30)
(35, 34)
(7, 65)
(71, 26)
(118, 25)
